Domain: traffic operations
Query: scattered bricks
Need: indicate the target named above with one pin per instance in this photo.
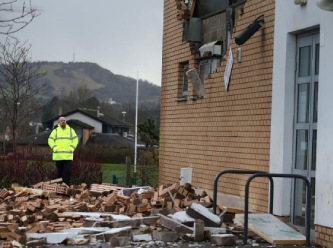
(84, 194)
(19, 238)
(166, 236)
(142, 207)
(111, 198)
(120, 232)
(38, 185)
(146, 195)
(136, 201)
(131, 209)
(22, 199)
(223, 239)
(72, 192)
(7, 244)
(174, 225)
(109, 208)
(31, 208)
(49, 187)
(5, 207)
(187, 202)
(52, 217)
(39, 226)
(4, 193)
(82, 208)
(36, 204)
(185, 192)
(119, 241)
(62, 190)
(199, 230)
(162, 192)
(197, 211)
(28, 219)
(3, 218)
(169, 204)
(77, 224)
(92, 208)
(95, 193)
(123, 198)
(58, 180)
(205, 199)
(178, 195)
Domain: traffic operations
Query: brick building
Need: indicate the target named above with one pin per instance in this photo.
(259, 110)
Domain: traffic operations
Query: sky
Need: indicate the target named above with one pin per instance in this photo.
(122, 36)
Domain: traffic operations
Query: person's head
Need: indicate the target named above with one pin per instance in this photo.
(62, 122)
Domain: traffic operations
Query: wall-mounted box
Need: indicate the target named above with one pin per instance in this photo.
(212, 48)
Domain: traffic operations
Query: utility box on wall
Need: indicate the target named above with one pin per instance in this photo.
(214, 48)
(192, 30)
(185, 175)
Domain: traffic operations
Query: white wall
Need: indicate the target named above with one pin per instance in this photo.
(79, 116)
(289, 19)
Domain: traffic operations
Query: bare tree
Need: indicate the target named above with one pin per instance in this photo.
(19, 84)
(83, 94)
(15, 15)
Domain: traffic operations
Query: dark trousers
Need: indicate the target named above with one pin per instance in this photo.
(64, 170)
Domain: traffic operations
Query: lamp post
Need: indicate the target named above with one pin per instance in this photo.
(136, 125)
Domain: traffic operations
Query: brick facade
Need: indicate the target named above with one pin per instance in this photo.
(226, 129)
(324, 236)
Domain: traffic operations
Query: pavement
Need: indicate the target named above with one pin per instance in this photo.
(255, 242)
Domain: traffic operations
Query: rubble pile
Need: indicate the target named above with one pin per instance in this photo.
(53, 213)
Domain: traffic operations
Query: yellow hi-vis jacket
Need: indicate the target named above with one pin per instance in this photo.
(63, 143)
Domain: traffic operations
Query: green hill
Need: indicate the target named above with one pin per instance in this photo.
(62, 78)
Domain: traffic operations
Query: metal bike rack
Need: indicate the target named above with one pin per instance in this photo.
(242, 172)
(270, 176)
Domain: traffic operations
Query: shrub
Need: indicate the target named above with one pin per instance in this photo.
(29, 170)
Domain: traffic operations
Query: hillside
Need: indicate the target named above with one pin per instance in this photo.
(63, 78)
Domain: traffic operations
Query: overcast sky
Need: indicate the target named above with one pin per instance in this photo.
(123, 36)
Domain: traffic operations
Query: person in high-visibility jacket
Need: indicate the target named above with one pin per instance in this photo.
(63, 141)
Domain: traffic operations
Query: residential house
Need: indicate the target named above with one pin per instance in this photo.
(85, 122)
(90, 126)
(252, 103)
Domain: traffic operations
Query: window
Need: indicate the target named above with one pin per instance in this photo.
(305, 122)
(208, 66)
(185, 81)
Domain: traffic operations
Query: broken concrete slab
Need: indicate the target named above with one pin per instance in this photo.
(273, 230)
(142, 237)
(174, 225)
(129, 191)
(182, 217)
(134, 222)
(98, 215)
(199, 230)
(197, 211)
(223, 239)
(233, 203)
(166, 236)
(51, 238)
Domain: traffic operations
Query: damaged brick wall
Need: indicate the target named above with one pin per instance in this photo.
(226, 129)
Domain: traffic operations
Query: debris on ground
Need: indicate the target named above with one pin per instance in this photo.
(53, 213)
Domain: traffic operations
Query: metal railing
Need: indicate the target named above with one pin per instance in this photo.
(241, 172)
(270, 176)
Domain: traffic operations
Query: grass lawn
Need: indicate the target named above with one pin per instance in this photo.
(116, 174)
